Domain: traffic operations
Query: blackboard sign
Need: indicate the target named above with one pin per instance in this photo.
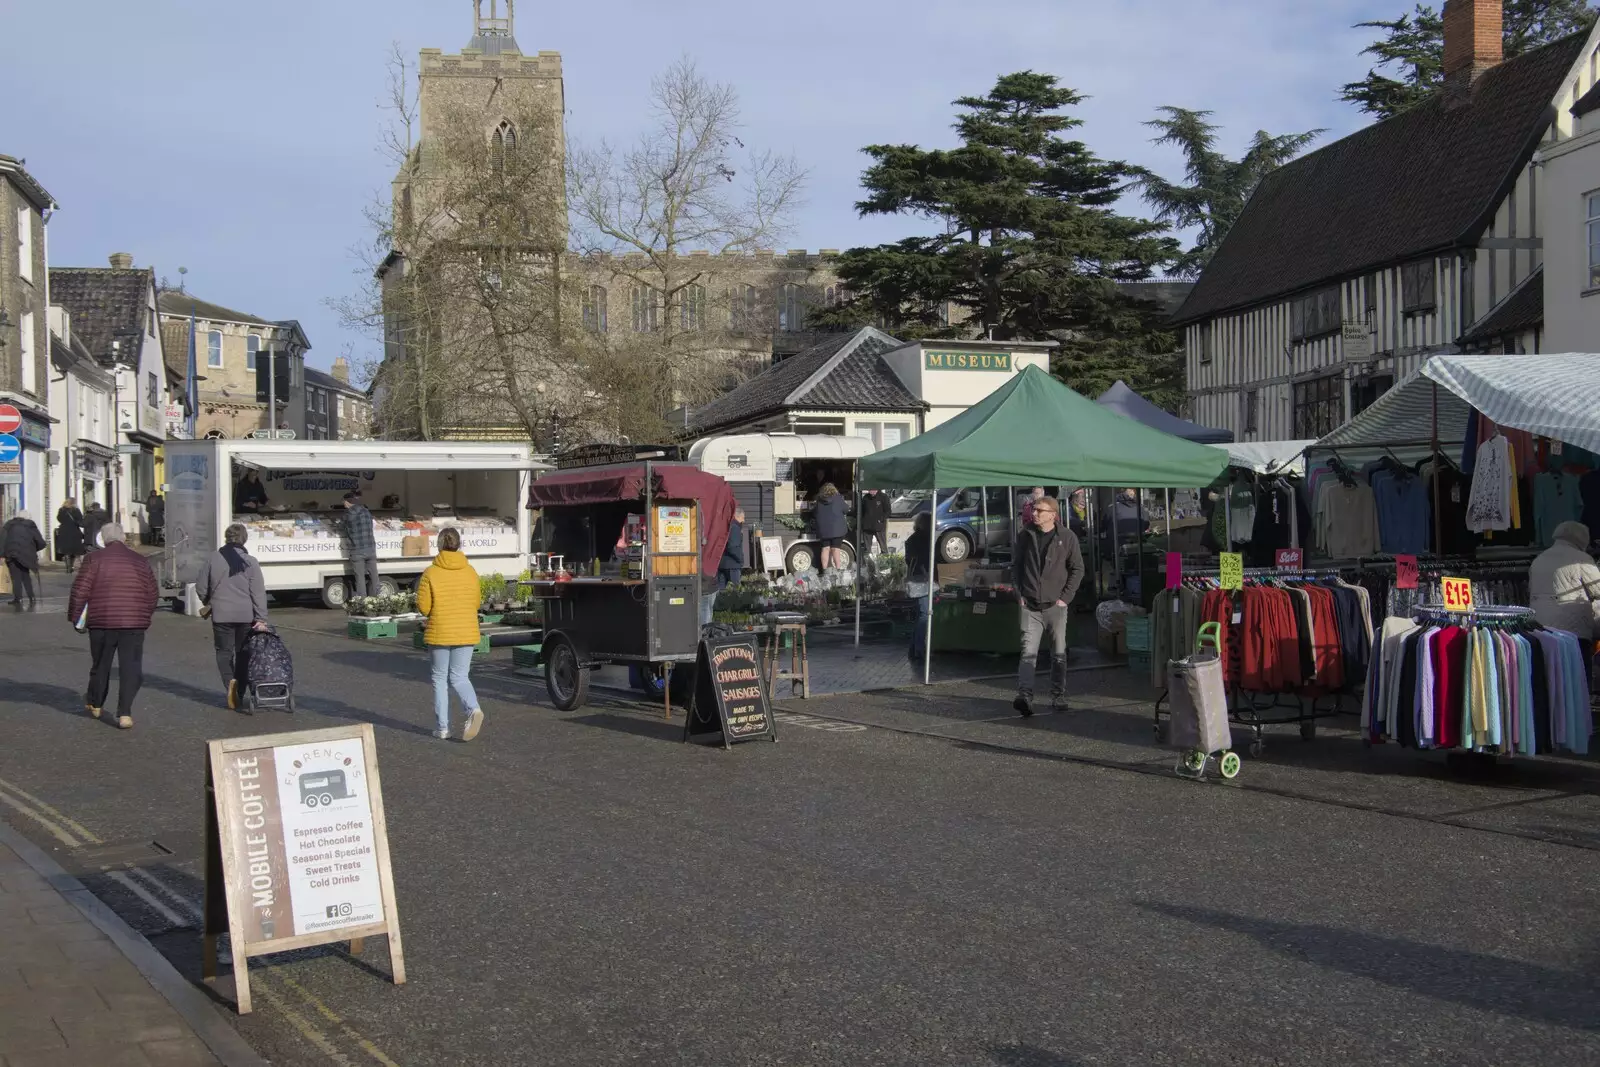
(730, 694)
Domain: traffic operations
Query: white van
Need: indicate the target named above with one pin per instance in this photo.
(413, 489)
(774, 477)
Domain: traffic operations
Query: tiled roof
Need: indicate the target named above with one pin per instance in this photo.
(1423, 181)
(1589, 101)
(175, 303)
(29, 186)
(106, 303)
(324, 380)
(1520, 311)
(841, 371)
(175, 344)
(1168, 296)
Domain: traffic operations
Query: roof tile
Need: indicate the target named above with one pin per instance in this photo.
(106, 303)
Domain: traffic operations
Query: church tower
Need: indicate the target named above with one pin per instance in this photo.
(515, 102)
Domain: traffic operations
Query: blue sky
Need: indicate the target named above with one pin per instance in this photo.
(239, 138)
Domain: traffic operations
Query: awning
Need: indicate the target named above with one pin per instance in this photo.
(1035, 431)
(624, 483)
(1124, 401)
(1268, 457)
(1554, 395)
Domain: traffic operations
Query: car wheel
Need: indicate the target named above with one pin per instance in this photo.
(802, 556)
(954, 547)
(335, 594)
(387, 586)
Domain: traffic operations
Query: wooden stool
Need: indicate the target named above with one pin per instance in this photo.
(798, 672)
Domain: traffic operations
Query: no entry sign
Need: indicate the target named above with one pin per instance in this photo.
(10, 419)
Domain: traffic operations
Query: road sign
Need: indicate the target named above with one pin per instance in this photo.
(9, 448)
(10, 460)
(10, 419)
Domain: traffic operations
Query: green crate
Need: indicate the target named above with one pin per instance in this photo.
(1137, 630)
(371, 629)
(489, 620)
(526, 656)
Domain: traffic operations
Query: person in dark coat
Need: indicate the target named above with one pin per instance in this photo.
(156, 513)
(114, 596)
(832, 517)
(874, 521)
(731, 568)
(1046, 568)
(918, 553)
(250, 494)
(20, 542)
(69, 533)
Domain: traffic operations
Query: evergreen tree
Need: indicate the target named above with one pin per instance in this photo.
(1030, 245)
(1413, 48)
(1218, 187)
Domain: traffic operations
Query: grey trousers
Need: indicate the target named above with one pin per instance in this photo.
(1034, 624)
(364, 569)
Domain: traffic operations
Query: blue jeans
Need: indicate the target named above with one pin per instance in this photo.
(452, 662)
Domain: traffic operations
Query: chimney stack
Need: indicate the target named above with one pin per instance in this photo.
(122, 260)
(1473, 40)
(341, 370)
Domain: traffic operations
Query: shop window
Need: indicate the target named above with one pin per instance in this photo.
(1315, 314)
(1318, 407)
(1417, 285)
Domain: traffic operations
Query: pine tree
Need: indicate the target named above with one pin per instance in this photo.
(1218, 187)
(1413, 47)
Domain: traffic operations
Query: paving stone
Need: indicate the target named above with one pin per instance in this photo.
(52, 914)
(102, 1056)
(110, 1028)
(52, 1003)
(30, 1033)
(92, 952)
(184, 1052)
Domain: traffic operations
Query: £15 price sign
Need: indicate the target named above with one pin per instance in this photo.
(1458, 594)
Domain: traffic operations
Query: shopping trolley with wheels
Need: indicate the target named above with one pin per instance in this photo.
(1198, 721)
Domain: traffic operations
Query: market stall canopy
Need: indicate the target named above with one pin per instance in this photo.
(624, 482)
(1554, 395)
(1035, 431)
(1124, 401)
(1268, 457)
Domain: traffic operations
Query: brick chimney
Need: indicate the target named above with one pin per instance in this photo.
(122, 260)
(341, 370)
(1473, 40)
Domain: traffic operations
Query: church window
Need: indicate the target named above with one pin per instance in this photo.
(503, 147)
(594, 309)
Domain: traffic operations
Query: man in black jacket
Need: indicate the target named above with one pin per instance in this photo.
(874, 521)
(1047, 568)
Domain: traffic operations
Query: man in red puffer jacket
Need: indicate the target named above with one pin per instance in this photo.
(114, 597)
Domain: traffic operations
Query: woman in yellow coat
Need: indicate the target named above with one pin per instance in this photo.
(449, 596)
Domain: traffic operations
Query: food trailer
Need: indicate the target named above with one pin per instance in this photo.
(625, 547)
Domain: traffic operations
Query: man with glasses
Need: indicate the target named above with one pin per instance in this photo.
(1047, 568)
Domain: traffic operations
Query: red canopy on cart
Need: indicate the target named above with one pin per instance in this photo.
(624, 482)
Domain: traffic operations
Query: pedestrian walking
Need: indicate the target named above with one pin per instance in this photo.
(730, 569)
(833, 524)
(449, 595)
(69, 533)
(918, 554)
(363, 544)
(155, 507)
(874, 521)
(94, 519)
(20, 542)
(1047, 567)
(235, 596)
(113, 598)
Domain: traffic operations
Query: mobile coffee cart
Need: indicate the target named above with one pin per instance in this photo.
(628, 586)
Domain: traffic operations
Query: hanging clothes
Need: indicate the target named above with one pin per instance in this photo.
(1346, 520)
(1489, 507)
(1404, 511)
(1557, 498)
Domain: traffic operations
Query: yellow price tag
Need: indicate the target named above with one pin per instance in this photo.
(1232, 570)
(1458, 594)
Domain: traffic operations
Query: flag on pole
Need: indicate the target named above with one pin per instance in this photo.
(192, 391)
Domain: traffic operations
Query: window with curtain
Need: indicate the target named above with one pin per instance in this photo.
(214, 348)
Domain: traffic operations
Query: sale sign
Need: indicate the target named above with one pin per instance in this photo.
(1405, 572)
(1289, 559)
(1457, 594)
(1232, 570)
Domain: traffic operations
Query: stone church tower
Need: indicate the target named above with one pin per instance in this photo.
(514, 102)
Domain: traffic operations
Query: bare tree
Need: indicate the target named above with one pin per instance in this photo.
(689, 183)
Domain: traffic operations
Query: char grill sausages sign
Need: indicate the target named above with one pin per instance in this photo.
(297, 853)
(730, 695)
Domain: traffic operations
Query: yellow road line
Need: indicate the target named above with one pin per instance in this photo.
(306, 1030)
(60, 834)
(48, 810)
(327, 1013)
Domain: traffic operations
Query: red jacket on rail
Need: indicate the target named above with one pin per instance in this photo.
(119, 588)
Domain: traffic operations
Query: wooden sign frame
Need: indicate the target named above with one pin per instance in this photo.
(228, 888)
(708, 713)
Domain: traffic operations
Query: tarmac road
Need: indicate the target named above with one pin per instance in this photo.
(583, 889)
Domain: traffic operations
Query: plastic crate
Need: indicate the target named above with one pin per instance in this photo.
(526, 656)
(1137, 631)
(371, 629)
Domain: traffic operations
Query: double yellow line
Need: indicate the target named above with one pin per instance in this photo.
(161, 896)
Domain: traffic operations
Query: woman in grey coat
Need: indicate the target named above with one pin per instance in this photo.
(235, 595)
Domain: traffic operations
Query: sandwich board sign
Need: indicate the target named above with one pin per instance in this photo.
(297, 850)
(730, 693)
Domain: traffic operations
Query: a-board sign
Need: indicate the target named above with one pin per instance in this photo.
(730, 693)
(772, 554)
(297, 851)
